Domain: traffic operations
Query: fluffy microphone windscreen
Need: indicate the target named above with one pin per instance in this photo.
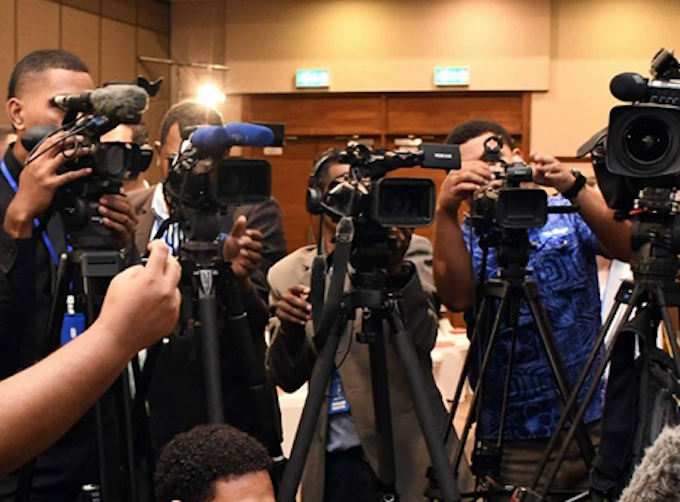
(119, 100)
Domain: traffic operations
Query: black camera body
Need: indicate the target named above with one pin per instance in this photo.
(511, 207)
(366, 195)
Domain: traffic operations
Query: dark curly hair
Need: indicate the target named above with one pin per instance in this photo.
(191, 463)
(471, 129)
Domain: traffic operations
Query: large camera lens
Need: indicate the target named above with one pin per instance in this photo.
(399, 203)
(647, 139)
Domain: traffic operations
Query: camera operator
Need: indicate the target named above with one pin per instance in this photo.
(255, 241)
(31, 240)
(565, 271)
(42, 402)
(342, 461)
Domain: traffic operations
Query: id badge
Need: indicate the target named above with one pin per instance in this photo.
(73, 325)
(337, 401)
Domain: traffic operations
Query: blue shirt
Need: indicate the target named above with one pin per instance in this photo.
(565, 272)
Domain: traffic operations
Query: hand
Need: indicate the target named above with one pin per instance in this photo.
(118, 215)
(396, 259)
(549, 171)
(243, 248)
(293, 309)
(38, 183)
(474, 175)
(142, 303)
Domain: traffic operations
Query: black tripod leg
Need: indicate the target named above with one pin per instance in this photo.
(558, 369)
(622, 296)
(455, 403)
(436, 447)
(495, 330)
(207, 311)
(637, 293)
(318, 383)
(382, 408)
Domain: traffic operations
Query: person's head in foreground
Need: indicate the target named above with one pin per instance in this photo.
(214, 463)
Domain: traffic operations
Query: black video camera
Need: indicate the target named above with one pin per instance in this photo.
(365, 194)
(88, 116)
(641, 147)
(511, 206)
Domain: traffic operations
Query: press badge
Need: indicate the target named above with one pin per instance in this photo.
(337, 401)
(74, 322)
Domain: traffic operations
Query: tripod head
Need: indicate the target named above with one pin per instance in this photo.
(655, 236)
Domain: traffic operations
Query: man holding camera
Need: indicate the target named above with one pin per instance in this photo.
(31, 241)
(342, 464)
(255, 240)
(565, 271)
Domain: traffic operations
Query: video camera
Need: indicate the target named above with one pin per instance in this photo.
(511, 206)
(637, 159)
(201, 181)
(88, 116)
(367, 196)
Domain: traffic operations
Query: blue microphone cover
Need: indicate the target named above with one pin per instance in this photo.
(243, 134)
(210, 139)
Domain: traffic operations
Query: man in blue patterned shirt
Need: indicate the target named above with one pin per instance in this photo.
(563, 266)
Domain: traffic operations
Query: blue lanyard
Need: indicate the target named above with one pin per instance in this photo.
(13, 184)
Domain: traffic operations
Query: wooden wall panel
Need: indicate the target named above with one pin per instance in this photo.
(81, 34)
(154, 15)
(313, 115)
(37, 26)
(120, 10)
(119, 51)
(8, 53)
(435, 114)
(93, 6)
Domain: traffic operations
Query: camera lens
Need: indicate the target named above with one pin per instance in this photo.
(647, 140)
(399, 203)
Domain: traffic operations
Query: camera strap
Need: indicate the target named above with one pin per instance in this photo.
(15, 187)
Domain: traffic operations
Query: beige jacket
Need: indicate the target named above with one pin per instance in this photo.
(290, 371)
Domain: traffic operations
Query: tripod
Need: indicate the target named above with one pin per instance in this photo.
(506, 295)
(89, 268)
(655, 267)
(213, 286)
(370, 294)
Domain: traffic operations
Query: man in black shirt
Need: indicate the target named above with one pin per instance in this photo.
(31, 239)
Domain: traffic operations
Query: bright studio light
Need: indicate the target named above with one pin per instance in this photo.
(210, 95)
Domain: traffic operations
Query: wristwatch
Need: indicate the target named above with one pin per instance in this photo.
(577, 186)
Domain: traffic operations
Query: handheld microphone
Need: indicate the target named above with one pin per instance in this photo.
(215, 139)
(119, 101)
(634, 87)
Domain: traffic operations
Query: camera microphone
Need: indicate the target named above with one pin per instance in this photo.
(119, 101)
(213, 140)
(634, 87)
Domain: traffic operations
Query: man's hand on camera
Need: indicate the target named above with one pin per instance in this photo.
(549, 171)
(243, 248)
(38, 183)
(142, 303)
(293, 309)
(396, 259)
(474, 175)
(118, 215)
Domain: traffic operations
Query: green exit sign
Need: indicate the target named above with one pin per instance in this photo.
(451, 75)
(312, 78)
